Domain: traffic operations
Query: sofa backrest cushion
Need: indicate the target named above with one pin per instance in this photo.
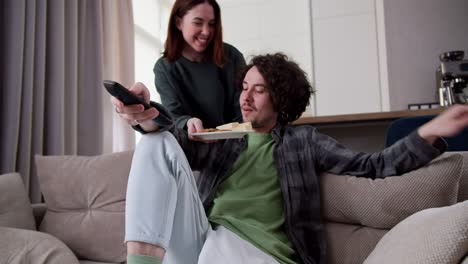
(15, 207)
(382, 203)
(85, 199)
(431, 236)
(32, 247)
(463, 190)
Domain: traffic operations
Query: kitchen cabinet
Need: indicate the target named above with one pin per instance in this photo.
(381, 55)
(346, 61)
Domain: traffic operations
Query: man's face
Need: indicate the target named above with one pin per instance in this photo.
(255, 102)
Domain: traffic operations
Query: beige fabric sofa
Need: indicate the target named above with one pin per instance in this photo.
(419, 217)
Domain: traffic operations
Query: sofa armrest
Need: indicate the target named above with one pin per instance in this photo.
(39, 210)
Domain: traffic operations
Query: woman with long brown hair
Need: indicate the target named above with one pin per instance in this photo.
(196, 75)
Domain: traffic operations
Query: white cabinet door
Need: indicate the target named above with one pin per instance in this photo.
(346, 60)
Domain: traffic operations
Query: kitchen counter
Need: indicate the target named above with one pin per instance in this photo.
(362, 132)
(365, 117)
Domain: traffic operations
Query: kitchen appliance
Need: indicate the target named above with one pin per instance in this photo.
(452, 78)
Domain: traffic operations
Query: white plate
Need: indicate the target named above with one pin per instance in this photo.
(220, 135)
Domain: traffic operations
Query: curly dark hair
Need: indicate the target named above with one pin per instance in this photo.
(286, 82)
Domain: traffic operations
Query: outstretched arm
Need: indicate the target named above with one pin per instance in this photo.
(449, 123)
(407, 154)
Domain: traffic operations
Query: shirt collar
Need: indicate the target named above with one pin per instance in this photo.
(277, 132)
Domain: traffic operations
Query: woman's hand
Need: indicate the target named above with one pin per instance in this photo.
(136, 114)
(195, 125)
(449, 123)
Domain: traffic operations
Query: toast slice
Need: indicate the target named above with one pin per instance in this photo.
(247, 126)
(228, 126)
(234, 126)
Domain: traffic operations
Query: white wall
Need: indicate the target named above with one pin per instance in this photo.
(417, 31)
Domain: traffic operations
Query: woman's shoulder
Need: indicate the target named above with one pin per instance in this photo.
(163, 65)
(231, 51)
(162, 62)
(234, 58)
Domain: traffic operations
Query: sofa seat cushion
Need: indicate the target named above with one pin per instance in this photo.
(85, 198)
(382, 203)
(15, 207)
(350, 243)
(431, 236)
(18, 246)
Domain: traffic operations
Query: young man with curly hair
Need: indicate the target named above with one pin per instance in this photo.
(256, 199)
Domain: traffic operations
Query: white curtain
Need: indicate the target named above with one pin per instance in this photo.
(54, 56)
(118, 65)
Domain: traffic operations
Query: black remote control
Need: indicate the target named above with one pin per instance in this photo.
(128, 98)
(123, 94)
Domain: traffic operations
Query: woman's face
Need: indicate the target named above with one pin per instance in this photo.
(197, 27)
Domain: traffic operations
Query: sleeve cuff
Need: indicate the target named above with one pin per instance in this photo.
(439, 146)
(164, 120)
(138, 128)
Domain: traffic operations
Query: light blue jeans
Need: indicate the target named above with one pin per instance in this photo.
(163, 206)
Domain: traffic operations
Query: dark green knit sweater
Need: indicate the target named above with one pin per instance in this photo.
(200, 89)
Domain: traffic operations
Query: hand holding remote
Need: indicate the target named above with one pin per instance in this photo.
(125, 96)
(132, 104)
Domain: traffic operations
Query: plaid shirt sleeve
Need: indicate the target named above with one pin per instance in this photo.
(407, 154)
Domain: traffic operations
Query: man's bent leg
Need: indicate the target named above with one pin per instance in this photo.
(224, 246)
(163, 207)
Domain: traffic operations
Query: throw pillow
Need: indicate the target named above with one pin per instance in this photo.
(382, 203)
(15, 207)
(463, 186)
(19, 246)
(85, 198)
(431, 236)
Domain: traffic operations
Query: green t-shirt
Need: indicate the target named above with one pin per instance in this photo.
(250, 203)
(200, 89)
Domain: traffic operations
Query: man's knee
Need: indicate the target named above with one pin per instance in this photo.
(163, 151)
(159, 144)
(157, 139)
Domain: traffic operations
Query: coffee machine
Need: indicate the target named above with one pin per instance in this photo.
(452, 78)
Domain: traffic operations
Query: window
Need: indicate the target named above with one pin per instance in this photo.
(150, 25)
